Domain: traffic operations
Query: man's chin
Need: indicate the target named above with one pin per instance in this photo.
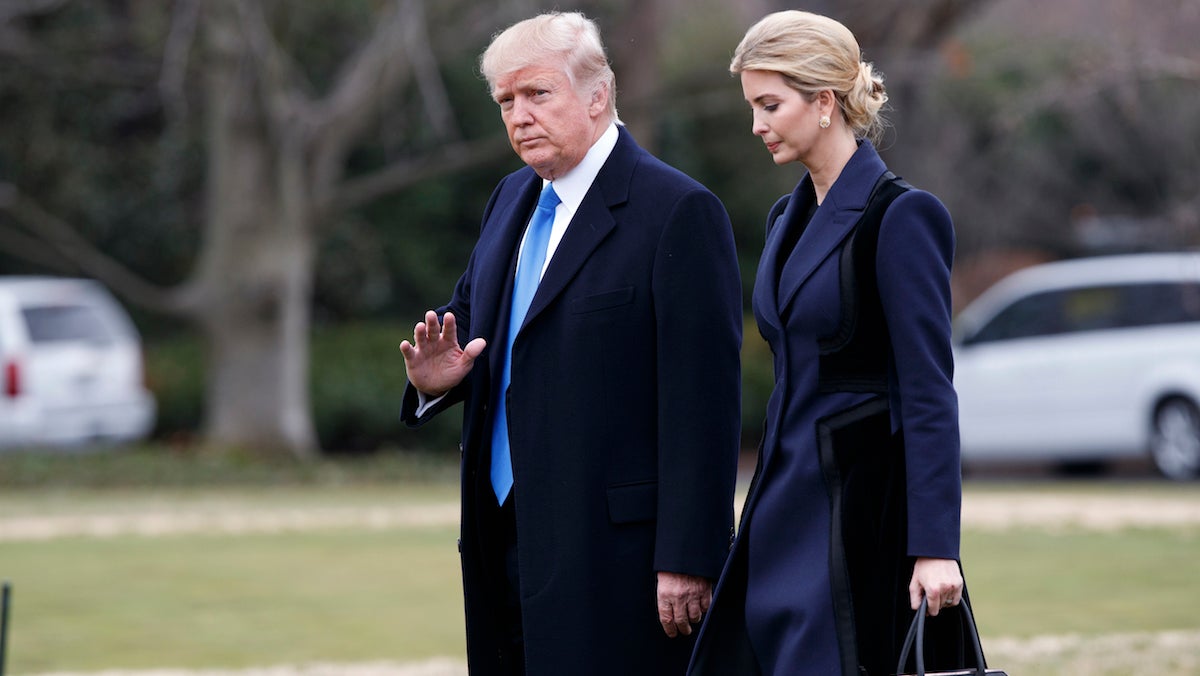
(541, 163)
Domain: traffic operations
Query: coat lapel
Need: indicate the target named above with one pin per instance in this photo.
(590, 225)
(832, 221)
(766, 290)
(497, 261)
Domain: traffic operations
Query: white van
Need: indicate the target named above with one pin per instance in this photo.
(71, 370)
(1085, 361)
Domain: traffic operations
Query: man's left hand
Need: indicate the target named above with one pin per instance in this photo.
(682, 601)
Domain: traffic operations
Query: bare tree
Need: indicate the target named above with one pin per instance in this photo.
(276, 149)
(276, 175)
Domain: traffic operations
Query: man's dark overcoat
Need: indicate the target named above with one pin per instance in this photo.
(624, 414)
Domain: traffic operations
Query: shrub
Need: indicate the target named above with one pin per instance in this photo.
(356, 375)
(357, 379)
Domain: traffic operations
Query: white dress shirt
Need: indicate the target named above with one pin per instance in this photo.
(571, 188)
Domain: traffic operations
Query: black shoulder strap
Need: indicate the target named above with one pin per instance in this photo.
(855, 358)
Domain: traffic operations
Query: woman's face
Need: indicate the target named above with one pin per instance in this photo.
(788, 123)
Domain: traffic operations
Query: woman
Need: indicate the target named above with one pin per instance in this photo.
(853, 516)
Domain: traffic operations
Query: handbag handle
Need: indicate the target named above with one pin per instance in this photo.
(916, 637)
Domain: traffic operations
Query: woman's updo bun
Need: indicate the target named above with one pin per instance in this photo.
(814, 53)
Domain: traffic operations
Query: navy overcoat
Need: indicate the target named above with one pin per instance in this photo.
(774, 611)
(623, 414)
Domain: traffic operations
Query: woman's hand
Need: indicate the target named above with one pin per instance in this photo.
(939, 580)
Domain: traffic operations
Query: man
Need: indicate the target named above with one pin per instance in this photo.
(599, 449)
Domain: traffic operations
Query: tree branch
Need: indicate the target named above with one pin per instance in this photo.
(72, 249)
(362, 190)
(429, 77)
(172, 77)
(1061, 90)
(19, 10)
(280, 84)
(31, 249)
(374, 74)
(99, 66)
(371, 75)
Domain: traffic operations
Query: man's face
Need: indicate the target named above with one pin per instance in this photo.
(550, 125)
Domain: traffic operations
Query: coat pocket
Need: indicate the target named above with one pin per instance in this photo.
(602, 301)
(632, 502)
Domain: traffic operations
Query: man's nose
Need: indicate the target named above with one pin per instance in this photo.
(519, 113)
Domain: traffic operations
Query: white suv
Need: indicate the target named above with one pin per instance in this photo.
(1084, 361)
(70, 366)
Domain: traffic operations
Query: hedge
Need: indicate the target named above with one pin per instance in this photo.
(357, 378)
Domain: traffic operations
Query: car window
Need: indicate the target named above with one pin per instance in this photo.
(1093, 309)
(1034, 315)
(1148, 304)
(60, 323)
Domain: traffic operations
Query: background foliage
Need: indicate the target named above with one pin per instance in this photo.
(1048, 130)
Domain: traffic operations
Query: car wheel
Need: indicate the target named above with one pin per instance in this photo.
(1082, 468)
(1175, 444)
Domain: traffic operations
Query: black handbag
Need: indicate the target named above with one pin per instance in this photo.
(915, 641)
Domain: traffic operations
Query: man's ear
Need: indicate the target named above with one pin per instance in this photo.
(599, 99)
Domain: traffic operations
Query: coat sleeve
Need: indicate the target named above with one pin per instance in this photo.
(698, 314)
(916, 251)
(460, 306)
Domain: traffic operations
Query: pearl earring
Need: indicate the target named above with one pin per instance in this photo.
(825, 122)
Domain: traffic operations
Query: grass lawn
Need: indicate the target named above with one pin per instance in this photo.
(358, 593)
(213, 600)
(1027, 583)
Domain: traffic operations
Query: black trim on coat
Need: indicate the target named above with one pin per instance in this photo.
(855, 358)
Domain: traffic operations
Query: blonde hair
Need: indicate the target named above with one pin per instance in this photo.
(568, 39)
(814, 53)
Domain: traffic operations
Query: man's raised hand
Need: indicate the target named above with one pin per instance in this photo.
(434, 361)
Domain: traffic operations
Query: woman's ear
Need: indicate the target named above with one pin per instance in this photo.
(826, 102)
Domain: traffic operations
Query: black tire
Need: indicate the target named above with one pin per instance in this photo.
(1175, 442)
(1082, 469)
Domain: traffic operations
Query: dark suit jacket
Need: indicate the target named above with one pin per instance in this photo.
(623, 414)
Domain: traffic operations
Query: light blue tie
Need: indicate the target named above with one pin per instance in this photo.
(529, 273)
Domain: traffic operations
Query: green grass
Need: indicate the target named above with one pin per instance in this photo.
(196, 601)
(210, 599)
(353, 594)
(166, 465)
(1027, 583)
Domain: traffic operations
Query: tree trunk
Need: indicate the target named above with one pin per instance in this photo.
(256, 273)
(276, 163)
(637, 60)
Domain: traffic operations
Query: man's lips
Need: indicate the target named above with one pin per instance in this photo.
(772, 147)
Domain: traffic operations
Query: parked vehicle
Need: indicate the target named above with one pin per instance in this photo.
(1085, 361)
(71, 370)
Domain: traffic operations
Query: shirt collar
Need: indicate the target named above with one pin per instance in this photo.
(573, 186)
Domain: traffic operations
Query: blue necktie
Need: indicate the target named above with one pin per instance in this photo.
(529, 274)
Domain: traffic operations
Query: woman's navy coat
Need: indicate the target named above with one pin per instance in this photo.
(774, 608)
